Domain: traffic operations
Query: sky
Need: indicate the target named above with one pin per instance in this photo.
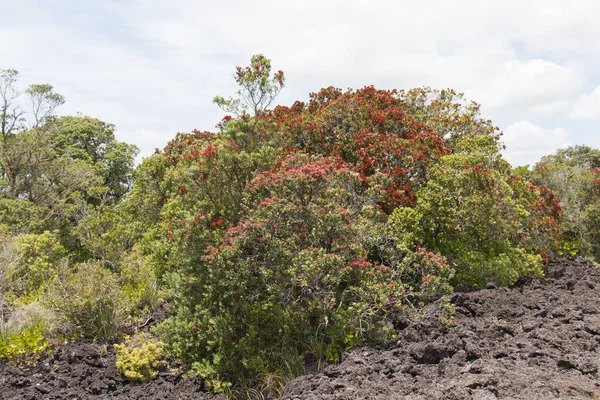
(153, 67)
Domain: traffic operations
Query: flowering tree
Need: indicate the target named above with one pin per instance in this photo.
(292, 236)
(257, 88)
(294, 278)
(573, 174)
(371, 131)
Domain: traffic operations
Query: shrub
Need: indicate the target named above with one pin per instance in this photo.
(106, 233)
(9, 267)
(138, 358)
(492, 226)
(23, 336)
(30, 315)
(90, 299)
(573, 175)
(40, 256)
(25, 345)
(139, 283)
(293, 281)
(19, 216)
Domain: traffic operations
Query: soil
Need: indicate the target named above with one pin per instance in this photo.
(537, 340)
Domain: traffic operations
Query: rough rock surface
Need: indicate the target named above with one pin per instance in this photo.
(537, 340)
(81, 370)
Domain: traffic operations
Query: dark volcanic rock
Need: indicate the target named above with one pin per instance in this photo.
(82, 370)
(537, 340)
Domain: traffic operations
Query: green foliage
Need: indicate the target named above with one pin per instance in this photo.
(43, 101)
(18, 216)
(491, 225)
(25, 345)
(52, 173)
(448, 316)
(573, 175)
(293, 280)
(23, 336)
(138, 358)
(448, 113)
(90, 299)
(93, 143)
(138, 281)
(107, 233)
(195, 188)
(40, 256)
(30, 315)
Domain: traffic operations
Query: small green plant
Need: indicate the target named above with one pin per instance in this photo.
(30, 315)
(448, 316)
(138, 358)
(23, 346)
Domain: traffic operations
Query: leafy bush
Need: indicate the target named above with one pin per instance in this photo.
(492, 226)
(23, 336)
(25, 345)
(106, 233)
(19, 216)
(138, 281)
(138, 358)
(90, 299)
(30, 315)
(40, 256)
(293, 281)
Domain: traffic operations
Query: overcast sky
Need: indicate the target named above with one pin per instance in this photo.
(153, 67)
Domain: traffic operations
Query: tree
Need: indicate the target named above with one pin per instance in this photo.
(572, 174)
(257, 88)
(448, 113)
(21, 152)
(370, 130)
(10, 113)
(42, 101)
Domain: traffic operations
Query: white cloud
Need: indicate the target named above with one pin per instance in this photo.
(154, 66)
(527, 142)
(587, 106)
(532, 84)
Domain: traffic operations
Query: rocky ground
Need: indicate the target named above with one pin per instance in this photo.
(537, 340)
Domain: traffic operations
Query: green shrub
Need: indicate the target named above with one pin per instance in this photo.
(139, 283)
(40, 256)
(30, 315)
(23, 336)
(90, 299)
(573, 175)
(492, 226)
(138, 358)
(295, 280)
(19, 216)
(25, 345)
